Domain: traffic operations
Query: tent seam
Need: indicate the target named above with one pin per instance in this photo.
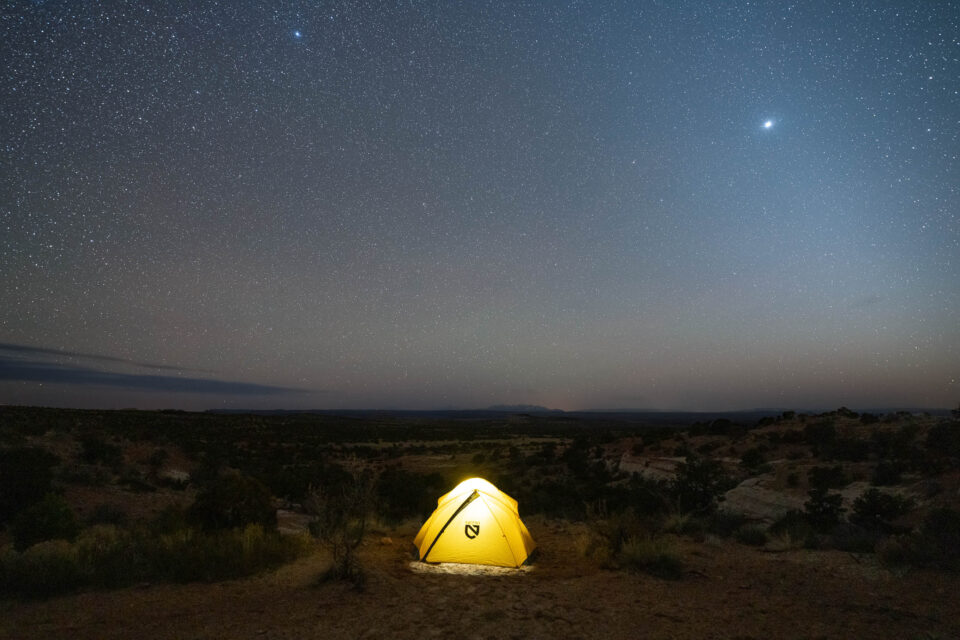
(502, 532)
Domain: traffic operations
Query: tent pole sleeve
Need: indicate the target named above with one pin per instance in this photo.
(473, 496)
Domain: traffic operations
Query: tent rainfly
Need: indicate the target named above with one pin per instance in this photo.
(476, 523)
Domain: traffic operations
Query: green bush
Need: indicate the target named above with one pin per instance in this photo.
(944, 439)
(42, 570)
(49, 519)
(658, 556)
(233, 501)
(876, 510)
(826, 477)
(823, 509)
(108, 514)
(752, 458)
(751, 535)
(108, 557)
(886, 474)
(853, 538)
(401, 494)
(935, 544)
(189, 555)
(821, 437)
(794, 525)
(96, 450)
(725, 523)
(112, 557)
(698, 484)
(26, 476)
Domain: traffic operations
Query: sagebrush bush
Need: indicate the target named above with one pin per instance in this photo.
(108, 514)
(876, 510)
(112, 557)
(853, 538)
(26, 476)
(43, 570)
(793, 528)
(935, 544)
(751, 535)
(50, 519)
(823, 509)
(725, 523)
(658, 556)
(234, 501)
(682, 524)
(106, 556)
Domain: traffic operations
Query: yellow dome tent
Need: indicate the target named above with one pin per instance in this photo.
(476, 523)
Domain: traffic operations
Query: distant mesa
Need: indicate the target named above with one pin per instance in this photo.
(522, 408)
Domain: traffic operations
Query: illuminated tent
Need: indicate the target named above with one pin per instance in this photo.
(476, 523)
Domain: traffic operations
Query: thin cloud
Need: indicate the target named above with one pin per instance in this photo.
(23, 370)
(45, 351)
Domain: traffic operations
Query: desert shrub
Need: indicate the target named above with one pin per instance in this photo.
(293, 481)
(752, 458)
(233, 501)
(96, 450)
(944, 439)
(853, 538)
(751, 535)
(826, 477)
(823, 509)
(876, 510)
(657, 556)
(401, 494)
(868, 418)
(886, 474)
(935, 544)
(108, 514)
(613, 530)
(793, 436)
(26, 476)
(682, 523)
(709, 447)
(725, 523)
(340, 522)
(169, 519)
(648, 496)
(112, 557)
(50, 519)
(794, 526)
(106, 556)
(190, 555)
(157, 458)
(43, 570)
(851, 449)
(555, 498)
(133, 480)
(793, 479)
(820, 436)
(698, 484)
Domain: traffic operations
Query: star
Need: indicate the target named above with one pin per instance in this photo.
(768, 124)
(297, 34)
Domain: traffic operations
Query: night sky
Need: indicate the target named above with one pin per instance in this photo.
(672, 205)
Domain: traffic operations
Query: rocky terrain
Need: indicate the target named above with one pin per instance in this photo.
(750, 561)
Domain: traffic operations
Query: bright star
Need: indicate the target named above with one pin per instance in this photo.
(768, 124)
(297, 34)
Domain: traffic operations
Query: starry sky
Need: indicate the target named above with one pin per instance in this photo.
(427, 204)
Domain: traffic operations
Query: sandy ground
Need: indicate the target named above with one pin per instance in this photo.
(729, 591)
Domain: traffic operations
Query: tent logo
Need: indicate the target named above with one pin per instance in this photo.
(471, 529)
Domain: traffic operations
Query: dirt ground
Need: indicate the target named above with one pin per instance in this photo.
(728, 591)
